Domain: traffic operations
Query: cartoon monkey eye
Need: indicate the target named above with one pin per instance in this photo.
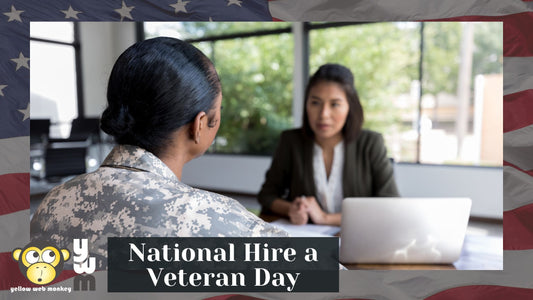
(49, 256)
(32, 257)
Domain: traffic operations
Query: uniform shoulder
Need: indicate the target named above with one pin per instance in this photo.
(73, 182)
(211, 195)
(214, 199)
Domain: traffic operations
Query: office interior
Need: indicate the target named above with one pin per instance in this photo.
(60, 150)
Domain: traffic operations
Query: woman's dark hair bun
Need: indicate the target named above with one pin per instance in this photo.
(157, 86)
(117, 124)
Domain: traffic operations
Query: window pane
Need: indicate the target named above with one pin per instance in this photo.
(53, 85)
(195, 30)
(56, 31)
(462, 116)
(256, 75)
(384, 60)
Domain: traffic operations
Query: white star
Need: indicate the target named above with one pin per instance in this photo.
(21, 61)
(14, 14)
(25, 112)
(180, 6)
(71, 13)
(124, 11)
(2, 86)
(236, 2)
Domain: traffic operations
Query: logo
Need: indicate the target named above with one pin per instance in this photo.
(41, 261)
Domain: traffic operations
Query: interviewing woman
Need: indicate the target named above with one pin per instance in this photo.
(331, 157)
(164, 100)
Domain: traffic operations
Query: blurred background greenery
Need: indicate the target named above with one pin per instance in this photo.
(256, 61)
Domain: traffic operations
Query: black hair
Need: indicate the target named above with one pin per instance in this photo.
(157, 86)
(344, 77)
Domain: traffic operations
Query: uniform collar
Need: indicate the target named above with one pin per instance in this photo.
(133, 157)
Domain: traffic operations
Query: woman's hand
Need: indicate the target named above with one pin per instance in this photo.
(298, 211)
(317, 215)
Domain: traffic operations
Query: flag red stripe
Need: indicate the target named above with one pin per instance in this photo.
(530, 172)
(518, 228)
(485, 292)
(516, 31)
(517, 39)
(517, 108)
(10, 275)
(15, 192)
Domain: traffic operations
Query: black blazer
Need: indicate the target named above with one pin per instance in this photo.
(367, 170)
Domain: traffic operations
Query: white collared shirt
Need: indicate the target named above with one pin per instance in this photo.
(329, 190)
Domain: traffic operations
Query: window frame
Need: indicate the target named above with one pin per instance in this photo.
(76, 44)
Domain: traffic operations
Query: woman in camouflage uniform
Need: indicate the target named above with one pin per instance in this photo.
(164, 100)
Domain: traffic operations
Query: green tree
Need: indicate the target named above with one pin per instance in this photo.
(256, 75)
(383, 59)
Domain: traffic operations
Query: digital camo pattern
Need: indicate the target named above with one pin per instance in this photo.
(134, 193)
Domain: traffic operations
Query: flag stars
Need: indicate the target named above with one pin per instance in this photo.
(25, 112)
(71, 13)
(2, 86)
(125, 11)
(180, 6)
(21, 61)
(235, 2)
(14, 14)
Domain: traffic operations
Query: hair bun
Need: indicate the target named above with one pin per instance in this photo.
(117, 122)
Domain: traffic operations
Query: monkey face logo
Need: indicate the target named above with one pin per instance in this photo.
(41, 261)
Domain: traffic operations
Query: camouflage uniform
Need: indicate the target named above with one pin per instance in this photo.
(133, 193)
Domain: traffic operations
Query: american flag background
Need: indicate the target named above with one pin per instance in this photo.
(514, 282)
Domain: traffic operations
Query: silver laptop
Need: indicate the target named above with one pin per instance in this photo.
(403, 230)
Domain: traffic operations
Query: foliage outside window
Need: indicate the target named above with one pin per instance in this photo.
(256, 74)
(462, 114)
(385, 58)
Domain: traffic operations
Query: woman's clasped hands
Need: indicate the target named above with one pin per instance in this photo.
(304, 208)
